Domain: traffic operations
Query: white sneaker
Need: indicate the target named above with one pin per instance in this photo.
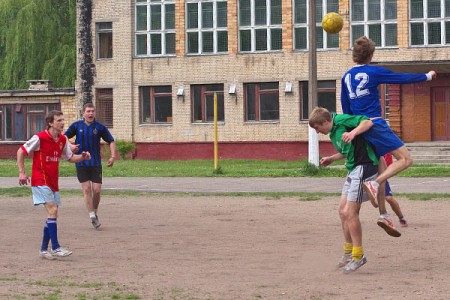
(61, 252)
(388, 226)
(46, 255)
(372, 192)
(345, 259)
(354, 265)
(95, 222)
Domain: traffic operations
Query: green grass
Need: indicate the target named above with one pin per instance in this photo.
(228, 168)
(302, 196)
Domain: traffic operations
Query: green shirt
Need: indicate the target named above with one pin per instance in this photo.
(358, 152)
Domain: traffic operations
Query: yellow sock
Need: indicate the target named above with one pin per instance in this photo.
(348, 248)
(357, 252)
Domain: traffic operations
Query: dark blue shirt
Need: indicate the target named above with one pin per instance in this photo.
(88, 137)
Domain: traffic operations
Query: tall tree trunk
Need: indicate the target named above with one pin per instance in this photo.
(86, 67)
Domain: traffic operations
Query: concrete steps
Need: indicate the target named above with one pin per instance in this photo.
(430, 152)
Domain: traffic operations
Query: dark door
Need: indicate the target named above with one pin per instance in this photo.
(440, 105)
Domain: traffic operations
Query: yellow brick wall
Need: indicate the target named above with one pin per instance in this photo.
(125, 74)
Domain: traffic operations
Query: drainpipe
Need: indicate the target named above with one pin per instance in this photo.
(132, 71)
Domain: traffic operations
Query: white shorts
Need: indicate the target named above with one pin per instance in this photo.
(43, 194)
(353, 186)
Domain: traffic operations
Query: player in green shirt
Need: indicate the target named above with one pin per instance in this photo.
(362, 163)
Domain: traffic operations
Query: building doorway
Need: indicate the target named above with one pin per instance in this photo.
(440, 114)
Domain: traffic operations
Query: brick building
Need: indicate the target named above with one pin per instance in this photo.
(22, 112)
(159, 63)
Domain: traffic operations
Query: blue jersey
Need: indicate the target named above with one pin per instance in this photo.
(359, 90)
(88, 137)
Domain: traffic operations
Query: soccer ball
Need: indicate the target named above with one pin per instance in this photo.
(332, 22)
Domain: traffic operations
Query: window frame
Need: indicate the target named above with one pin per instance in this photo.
(148, 32)
(108, 32)
(204, 94)
(104, 106)
(304, 100)
(366, 23)
(201, 30)
(152, 104)
(322, 37)
(254, 28)
(257, 101)
(443, 20)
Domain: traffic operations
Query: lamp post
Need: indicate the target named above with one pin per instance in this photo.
(313, 139)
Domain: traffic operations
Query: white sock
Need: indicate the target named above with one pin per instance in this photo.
(92, 215)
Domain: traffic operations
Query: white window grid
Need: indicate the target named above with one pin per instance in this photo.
(444, 4)
(215, 29)
(253, 28)
(318, 24)
(163, 31)
(366, 23)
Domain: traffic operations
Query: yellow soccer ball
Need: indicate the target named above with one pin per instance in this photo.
(332, 22)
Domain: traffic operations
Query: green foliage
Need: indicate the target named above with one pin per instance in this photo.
(310, 169)
(124, 147)
(37, 41)
(228, 168)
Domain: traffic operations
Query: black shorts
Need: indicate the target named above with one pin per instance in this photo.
(93, 174)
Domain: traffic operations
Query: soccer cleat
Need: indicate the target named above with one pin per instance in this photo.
(388, 226)
(403, 223)
(61, 252)
(95, 222)
(345, 259)
(372, 192)
(46, 255)
(354, 265)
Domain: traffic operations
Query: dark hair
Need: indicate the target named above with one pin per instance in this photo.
(318, 116)
(89, 104)
(363, 50)
(50, 117)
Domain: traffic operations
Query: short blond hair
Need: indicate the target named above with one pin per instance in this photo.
(318, 116)
(363, 50)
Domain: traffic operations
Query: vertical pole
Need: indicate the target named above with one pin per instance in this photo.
(216, 161)
(313, 139)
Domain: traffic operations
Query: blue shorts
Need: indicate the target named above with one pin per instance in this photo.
(43, 194)
(381, 137)
(388, 191)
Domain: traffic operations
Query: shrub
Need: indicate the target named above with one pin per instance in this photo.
(124, 147)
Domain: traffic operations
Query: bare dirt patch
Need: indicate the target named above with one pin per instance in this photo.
(183, 247)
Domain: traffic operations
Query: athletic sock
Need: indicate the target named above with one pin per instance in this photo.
(53, 232)
(92, 215)
(45, 238)
(348, 248)
(357, 252)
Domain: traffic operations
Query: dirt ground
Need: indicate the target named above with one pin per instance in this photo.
(183, 247)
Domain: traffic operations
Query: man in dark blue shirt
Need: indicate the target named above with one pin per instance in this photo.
(87, 133)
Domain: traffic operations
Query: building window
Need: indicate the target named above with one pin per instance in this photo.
(376, 19)
(104, 106)
(6, 122)
(155, 27)
(324, 40)
(326, 97)
(262, 101)
(206, 27)
(156, 104)
(203, 103)
(260, 25)
(19, 122)
(104, 40)
(429, 22)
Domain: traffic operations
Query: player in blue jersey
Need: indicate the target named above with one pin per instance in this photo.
(88, 133)
(359, 96)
